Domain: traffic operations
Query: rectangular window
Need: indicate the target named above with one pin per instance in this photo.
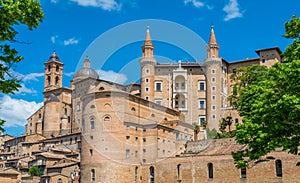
(202, 104)
(243, 173)
(91, 152)
(201, 120)
(201, 85)
(158, 86)
(127, 153)
(127, 137)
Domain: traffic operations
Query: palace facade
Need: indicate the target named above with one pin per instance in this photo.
(108, 132)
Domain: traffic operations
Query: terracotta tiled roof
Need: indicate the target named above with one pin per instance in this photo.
(51, 155)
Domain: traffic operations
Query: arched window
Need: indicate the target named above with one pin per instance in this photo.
(49, 80)
(59, 180)
(49, 68)
(56, 80)
(136, 173)
(179, 171)
(101, 88)
(92, 122)
(107, 118)
(210, 170)
(179, 83)
(92, 174)
(66, 111)
(92, 106)
(151, 169)
(278, 165)
(179, 101)
(57, 68)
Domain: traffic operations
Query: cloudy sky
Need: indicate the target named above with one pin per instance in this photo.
(76, 28)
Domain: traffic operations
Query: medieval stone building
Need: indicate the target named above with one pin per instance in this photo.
(144, 132)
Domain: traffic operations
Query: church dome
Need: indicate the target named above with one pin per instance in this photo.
(86, 71)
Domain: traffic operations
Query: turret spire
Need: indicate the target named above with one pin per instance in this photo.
(212, 39)
(148, 48)
(212, 47)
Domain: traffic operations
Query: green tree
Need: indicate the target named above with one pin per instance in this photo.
(269, 102)
(34, 171)
(13, 13)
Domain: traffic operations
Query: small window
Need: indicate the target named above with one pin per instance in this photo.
(213, 79)
(243, 173)
(147, 98)
(127, 127)
(201, 85)
(107, 118)
(91, 152)
(236, 120)
(278, 165)
(144, 139)
(93, 107)
(56, 80)
(40, 115)
(201, 120)
(136, 173)
(210, 170)
(136, 154)
(202, 104)
(49, 68)
(213, 116)
(213, 97)
(57, 68)
(132, 109)
(213, 107)
(158, 86)
(59, 180)
(147, 71)
(93, 175)
(263, 61)
(127, 137)
(101, 88)
(213, 88)
(127, 153)
(151, 171)
(147, 80)
(144, 129)
(49, 80)
(147, 89)
(92, 123)
(213, 71)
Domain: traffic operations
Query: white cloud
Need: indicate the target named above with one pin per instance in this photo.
(232, 9)
(53, 38)
(71, 41)
(112, 76)
(54, 1)
(24, 90)
(31, 77)
(108, 5)
(195, 3)
(16, 111)
(69, 74)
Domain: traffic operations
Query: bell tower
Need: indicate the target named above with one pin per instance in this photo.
(53, 73)
(147, 64)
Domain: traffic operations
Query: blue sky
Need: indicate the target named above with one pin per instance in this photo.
(70, 26)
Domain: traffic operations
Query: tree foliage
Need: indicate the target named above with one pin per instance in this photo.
(269, 101)
(34, 171)
(13, 13)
